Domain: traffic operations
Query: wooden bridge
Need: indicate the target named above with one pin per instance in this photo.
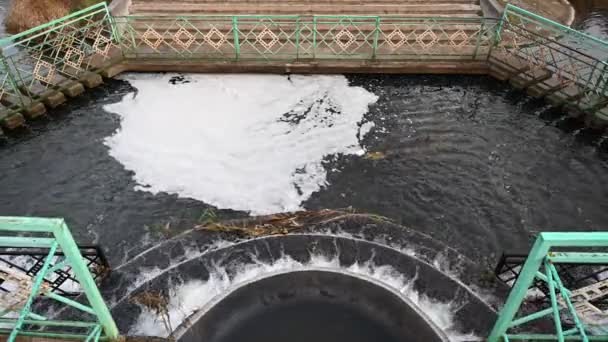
(42, 67)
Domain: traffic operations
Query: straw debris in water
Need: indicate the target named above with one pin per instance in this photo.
(282, 224)
(157, 303)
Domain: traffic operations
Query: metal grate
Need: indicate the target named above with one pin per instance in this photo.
(574, 276)
(29, 261)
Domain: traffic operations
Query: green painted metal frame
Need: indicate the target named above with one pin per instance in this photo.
(540, 265)
(54, 234)
(51, 56)
(578, 60)
(291, 38)
(305, 38)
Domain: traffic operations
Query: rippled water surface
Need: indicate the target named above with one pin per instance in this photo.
(592, 17)
(466, 159)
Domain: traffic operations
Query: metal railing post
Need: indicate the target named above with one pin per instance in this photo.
(314, 37)
(376, 35)
(82, 274)
(298, 38)
(235, 32)
(481, 33)
(25, 312)
(11, 78)
(520, 289)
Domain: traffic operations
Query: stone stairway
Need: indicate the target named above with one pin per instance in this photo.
(409, 8)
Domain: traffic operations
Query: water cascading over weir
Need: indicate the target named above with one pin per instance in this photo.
(322, 275)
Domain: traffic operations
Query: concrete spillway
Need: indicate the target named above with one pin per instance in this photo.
(314, 305)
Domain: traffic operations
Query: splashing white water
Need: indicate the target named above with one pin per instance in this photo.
(194, 295)
(244, 142)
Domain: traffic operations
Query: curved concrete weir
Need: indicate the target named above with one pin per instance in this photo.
(194, 282)
(312, 305)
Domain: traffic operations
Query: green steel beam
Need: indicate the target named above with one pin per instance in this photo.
(544, 278)
(60, 336)
(539, 251)
(566, 297)
(29, 224)
(551, 337)
(49, 323)
(551, 23)
(81, 271)
(578, 258)
(94, 335)
(520, 288)
(376, 36)
(557, 320)
(70, 302)
(235, 31)
(531, 317)
(53, 23)
(58, 266)
(25, 311)
(26, 242)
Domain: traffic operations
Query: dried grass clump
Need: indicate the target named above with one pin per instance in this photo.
(157, 303)
(26, 14)
(282, 224)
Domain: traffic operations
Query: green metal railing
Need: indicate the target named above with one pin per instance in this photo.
(51, 56)
(295, 38)
(47, 58)
(548, 250)
(576, 63)
(54, 236)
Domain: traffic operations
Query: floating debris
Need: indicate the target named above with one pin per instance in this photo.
(285, 223)
(157, 303)
(374, 155)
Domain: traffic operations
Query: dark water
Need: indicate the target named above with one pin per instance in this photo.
(62, 169)
(591, 17)
(472, 162)
(468, 160)
(306, 321)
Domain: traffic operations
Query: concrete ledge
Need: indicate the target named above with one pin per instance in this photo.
(35, 110)
(13, 121)
(466, 67)
(73, 89)
(91, 80)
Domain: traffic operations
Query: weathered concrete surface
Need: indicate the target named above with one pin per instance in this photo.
(429, 8)
(323, 67)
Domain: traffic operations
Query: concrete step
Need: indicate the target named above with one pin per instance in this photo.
(195, 25)
(441, 9)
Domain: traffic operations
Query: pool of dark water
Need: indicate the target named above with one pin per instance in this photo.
(591, 17)
(309, 321)
(467, 160)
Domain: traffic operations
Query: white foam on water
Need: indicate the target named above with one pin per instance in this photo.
(192, 296)
(244, 142)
